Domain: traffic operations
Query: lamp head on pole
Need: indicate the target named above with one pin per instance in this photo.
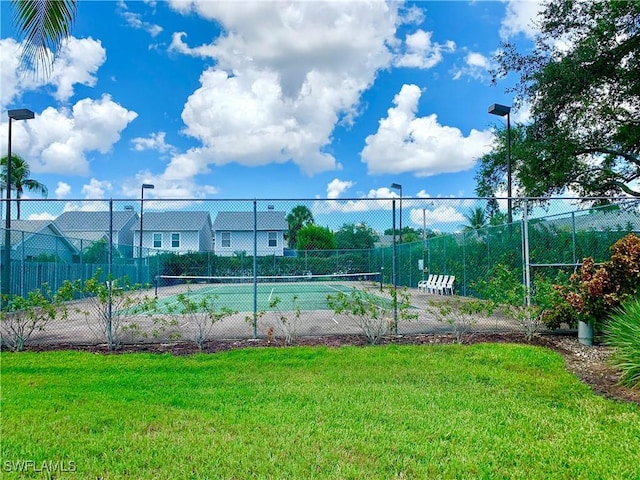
(500, 110)
(396, 186)
(148, 186)
(21, 114)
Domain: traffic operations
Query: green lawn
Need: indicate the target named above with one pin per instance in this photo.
(451, 411)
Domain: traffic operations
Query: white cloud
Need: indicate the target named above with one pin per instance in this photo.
(476, 66)
(156, 141)
(421, 52)
(86, 206)
(520, 18)
(14, 79)
(164, 187)
(436, 215)
(62, 190)
(77, 63)
(96, 189)
(285, 75)
(337, 187)
(57, 141)
(134, 20)
(41, 216)
(406, 143)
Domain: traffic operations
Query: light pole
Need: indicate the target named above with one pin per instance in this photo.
(397, 186)
(145, 186)
(19, 114)
(501, 111)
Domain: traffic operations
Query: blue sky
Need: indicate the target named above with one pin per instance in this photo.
(264, 99)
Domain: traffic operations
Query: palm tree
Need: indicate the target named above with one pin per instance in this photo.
(299, 217)
(476, 218)
(20, 178)
(44, 25)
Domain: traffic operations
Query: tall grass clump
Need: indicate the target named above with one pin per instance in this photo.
(623, 333)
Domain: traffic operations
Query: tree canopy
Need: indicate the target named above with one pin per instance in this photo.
(356, 236)
(315, 237)
(581, 80)
(299, 217)
(20, 178)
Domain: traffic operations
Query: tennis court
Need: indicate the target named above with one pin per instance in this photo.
(303, 292)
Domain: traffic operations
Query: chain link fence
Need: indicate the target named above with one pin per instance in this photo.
(155, 271)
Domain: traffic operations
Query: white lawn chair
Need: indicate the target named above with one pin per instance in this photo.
(422, 284)
(433, 286)
(440, 286)
(447, 287)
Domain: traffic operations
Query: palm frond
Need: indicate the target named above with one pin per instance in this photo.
(44, 25)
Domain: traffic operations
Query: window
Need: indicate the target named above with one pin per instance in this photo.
(273, 239)
(175, 240)
(157, 240)
(225, 239)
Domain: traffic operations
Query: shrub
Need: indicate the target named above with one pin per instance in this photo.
(596, 292)
(25, 315)
(289, 326)
(201, 312)
(374, 315)
(508, 294)
(461, 315)
(106, 305)
(623, 332)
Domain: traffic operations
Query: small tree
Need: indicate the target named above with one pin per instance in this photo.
(26, 315)
(374, 315)
(314, 237)
(508, 295)
(200, 311)
(289, 324)
(461, 315)
(106, 304)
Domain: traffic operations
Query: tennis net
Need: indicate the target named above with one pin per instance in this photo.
(349, 280)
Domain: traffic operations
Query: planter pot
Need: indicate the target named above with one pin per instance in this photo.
(585, 333)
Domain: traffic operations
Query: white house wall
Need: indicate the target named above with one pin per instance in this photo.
(243, 241)
(189, 242)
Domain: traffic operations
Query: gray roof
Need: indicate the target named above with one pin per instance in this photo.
(25, 229)
(243, 221)
(93, 221)
(174, 221)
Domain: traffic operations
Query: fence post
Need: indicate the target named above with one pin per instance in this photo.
(527, 262)
(255, 269)
(109, 279)
(573, 237)
(393, 269)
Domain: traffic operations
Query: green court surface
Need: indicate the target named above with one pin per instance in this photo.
(240, 297)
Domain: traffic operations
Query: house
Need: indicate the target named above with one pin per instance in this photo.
(83, 229)
(234, 232)
(178, 232)
(39, 240)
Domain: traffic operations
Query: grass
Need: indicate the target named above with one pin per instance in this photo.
(450, 411)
